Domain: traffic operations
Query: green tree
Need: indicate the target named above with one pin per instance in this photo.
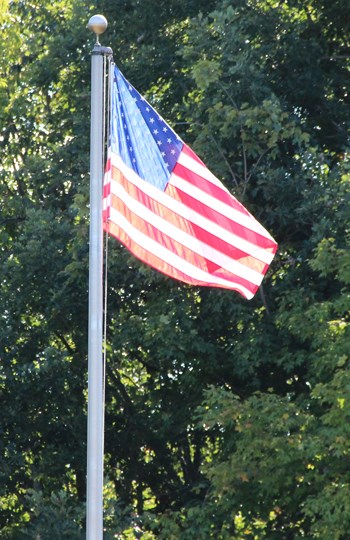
(44, 187)
(224, 418)
(43, 257)
(271, 466)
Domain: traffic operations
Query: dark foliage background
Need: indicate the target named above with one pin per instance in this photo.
(225, 419)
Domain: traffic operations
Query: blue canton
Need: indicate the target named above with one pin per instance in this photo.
(144, 141)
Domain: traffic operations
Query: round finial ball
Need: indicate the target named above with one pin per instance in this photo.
(98, 24)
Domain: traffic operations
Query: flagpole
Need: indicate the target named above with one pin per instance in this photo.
(95, 424)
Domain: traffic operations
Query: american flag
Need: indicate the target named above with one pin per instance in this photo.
(169, 210)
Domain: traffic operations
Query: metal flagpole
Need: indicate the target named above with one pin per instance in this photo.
(95, 437)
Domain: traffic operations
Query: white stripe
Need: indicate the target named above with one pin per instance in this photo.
(189, 214)
(200, 169)
(106, 203)
(231, 213)
(243, 219)
(192, 243)
(172, 259)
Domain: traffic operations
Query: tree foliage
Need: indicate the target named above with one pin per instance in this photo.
(225, 419)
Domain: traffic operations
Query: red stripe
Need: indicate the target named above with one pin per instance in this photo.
(195, 230)
(223, 221)
(176, 247)
(208, 187)
(150, 203)
(108, 164)
(189, 152)
(188, 226)
(164, 267)
(220, 193)
(192, 229)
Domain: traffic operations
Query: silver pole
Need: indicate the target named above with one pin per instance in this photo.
(95, 438)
